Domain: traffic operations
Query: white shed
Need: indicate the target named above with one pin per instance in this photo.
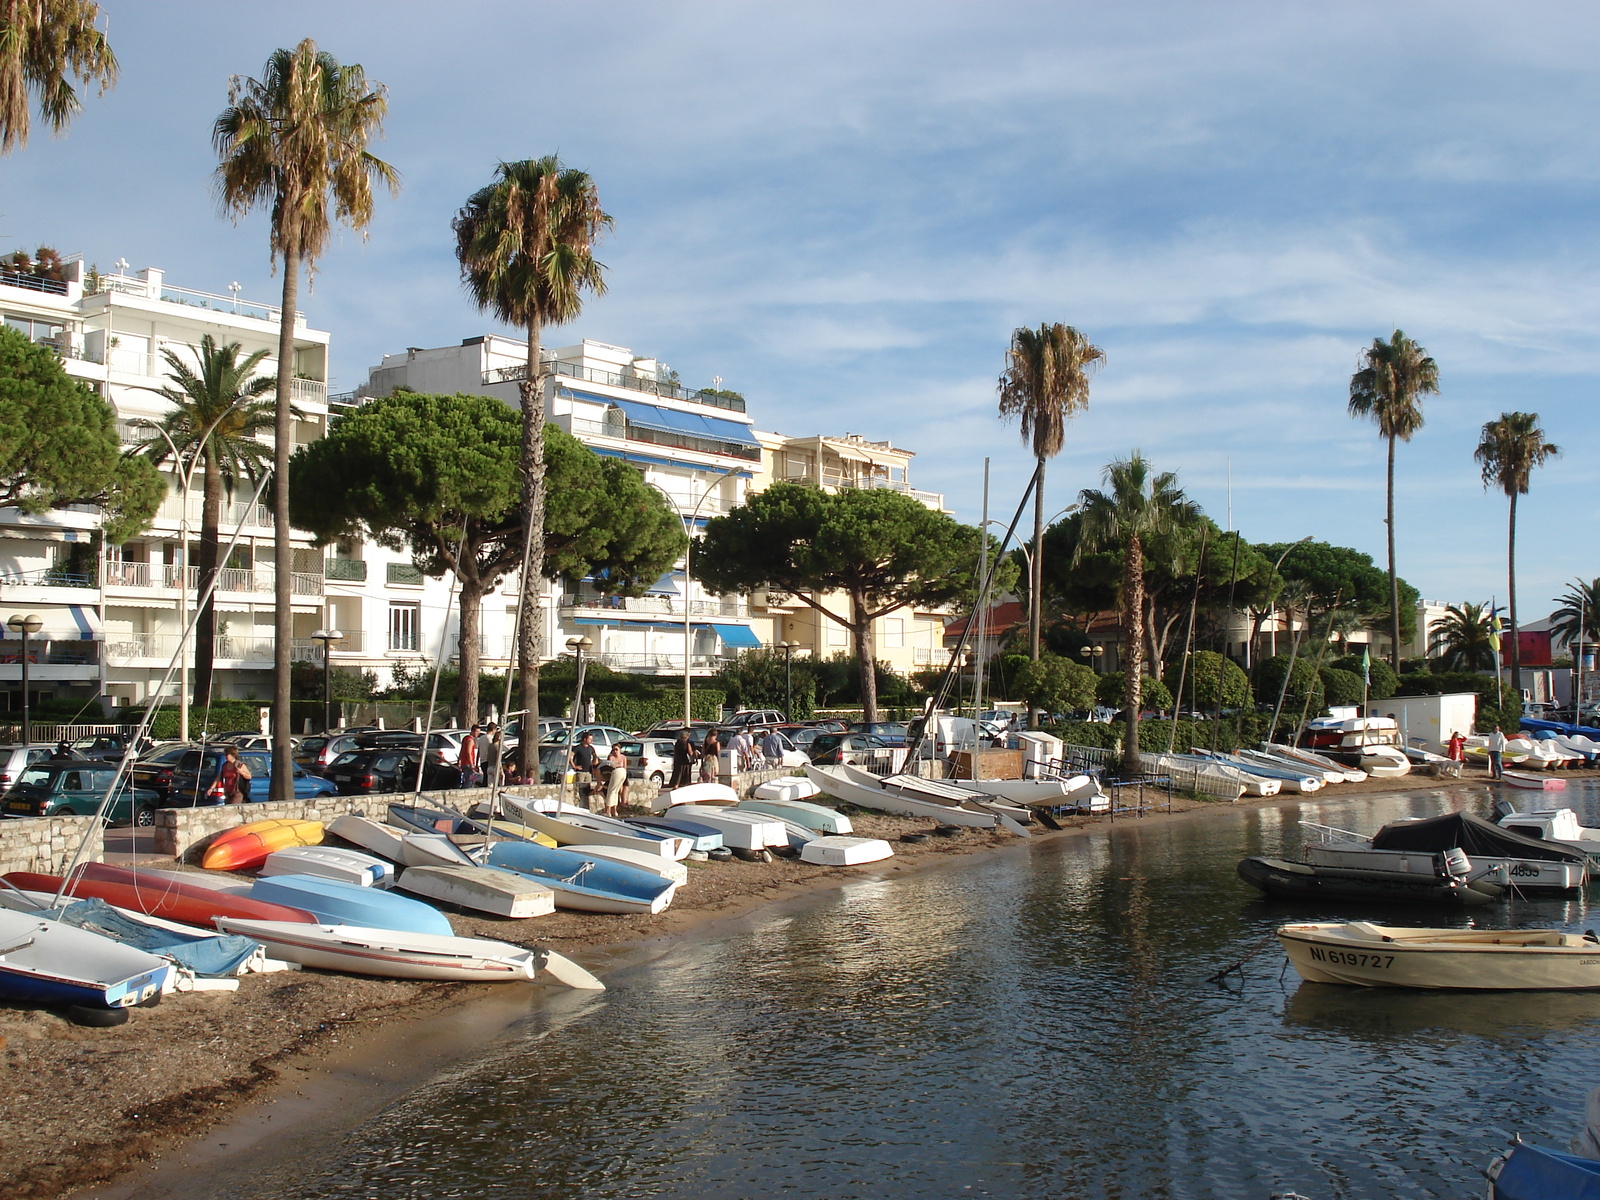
(1428, 721)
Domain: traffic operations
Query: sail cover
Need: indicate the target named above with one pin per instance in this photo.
(1477, 837)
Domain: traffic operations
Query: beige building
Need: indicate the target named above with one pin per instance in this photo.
(907, 640)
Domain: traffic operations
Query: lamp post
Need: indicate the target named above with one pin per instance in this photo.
(788, 649)
(579, 647)
(688, 550)
(327, 637)
(27, 626)
(1247, 645)
(1091, 656)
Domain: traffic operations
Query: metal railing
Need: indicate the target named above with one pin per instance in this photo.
(636, 383)
(345, 570)
(33, 283)
(837, 479)
(45, 577)
(623, 660)
(1189, 776)
(657, 605)
(229, 579)
(233, 511)
(50, 654)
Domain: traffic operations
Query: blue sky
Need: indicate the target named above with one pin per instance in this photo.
(844, 211)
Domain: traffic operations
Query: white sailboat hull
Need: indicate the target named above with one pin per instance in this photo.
(389, 953)
(845, 851)
(331, 862)
(373, 836)
(842, 788)
(481, 889)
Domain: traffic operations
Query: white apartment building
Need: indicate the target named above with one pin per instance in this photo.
(111, 614)
(698, 448)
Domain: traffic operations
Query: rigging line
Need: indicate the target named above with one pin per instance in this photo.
(1188, 642)
(1316, 672)
(942, 690)
(438, 666)
(505, 706)
(1233, 583)
(143, 728)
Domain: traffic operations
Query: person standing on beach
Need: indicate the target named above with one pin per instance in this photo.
(1457, 747)
(742, 750)
(467, 759)
(489, 753)
(617, 781)
(585, 758)
(235, 777)
(772, 749)
(1497, 752)
(683, 756)
(710, 754)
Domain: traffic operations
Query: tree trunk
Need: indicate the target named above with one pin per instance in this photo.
(467, 653)
(530, 633)
(1511, 604)
(866, 656)
(282, 550)
(1035, 582)
(1394, 584)
(1133, 609)
(205, 624)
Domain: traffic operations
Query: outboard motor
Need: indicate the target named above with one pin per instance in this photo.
(1455, 862)
(1502, 810)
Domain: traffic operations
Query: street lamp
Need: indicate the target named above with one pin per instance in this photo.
(327, 637)
(788, 649)
(1247, 645)
(27, 626)
(1091, 656)
(579, 647)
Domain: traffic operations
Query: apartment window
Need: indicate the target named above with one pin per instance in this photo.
(404, 622)
(837, 634)
(35, 331)
(894, 633)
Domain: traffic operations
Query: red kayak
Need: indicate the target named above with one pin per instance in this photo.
(157, 897)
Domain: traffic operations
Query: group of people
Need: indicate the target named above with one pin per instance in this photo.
(1494, 743)
(603, 777)
(748, 753)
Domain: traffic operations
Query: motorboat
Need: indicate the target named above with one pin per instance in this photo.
(391, 953)
(1367, 955)
(44, 961)
(1311, 758)
(1529, 782)
(1559, 825)
(1529, 1172)
(331, 862)
(1408, 847)
(835, 783)
(740, 830)
(585, 882)
(345, 904)
(1284, 880)
(816, 817)
(481, 889)
(845, 851)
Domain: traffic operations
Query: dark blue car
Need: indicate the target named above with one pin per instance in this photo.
(196, 783)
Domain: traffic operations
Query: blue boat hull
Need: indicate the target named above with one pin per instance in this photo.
(335, 903)
(702, 837)
(582, 882)
(24, 986)
(1532, 1173)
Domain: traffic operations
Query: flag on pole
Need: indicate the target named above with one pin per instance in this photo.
(1366, 666)
(1494, 630)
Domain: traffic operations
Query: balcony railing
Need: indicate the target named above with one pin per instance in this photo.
(33, 283)
(226, 647)
(233, 511)
(345, 570)
(45, 577)
(665, 663)
(662, 605)
(636, 383)
(837, 479)
(51, 654)
(229, 579)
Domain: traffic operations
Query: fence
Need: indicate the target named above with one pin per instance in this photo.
(1190, 776)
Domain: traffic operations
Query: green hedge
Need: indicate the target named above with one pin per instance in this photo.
(634, 713)
(1230, 733)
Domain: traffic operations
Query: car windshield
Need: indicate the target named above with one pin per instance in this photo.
(89, 743)
(346, 759)
(632, 749)
(35, 777)
(313, 745)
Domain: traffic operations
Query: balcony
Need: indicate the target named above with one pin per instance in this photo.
(131, 285)
(47, 577)
(229, 579)
(345, 570)
(636, 383)
(656, 606)
(128, 648)
(233, 511)
(838, 479)
(660, 664)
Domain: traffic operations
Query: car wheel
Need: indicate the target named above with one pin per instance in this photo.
(658, 779)
(144, 818)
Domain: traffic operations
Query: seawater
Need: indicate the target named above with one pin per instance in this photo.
(1035, 1024)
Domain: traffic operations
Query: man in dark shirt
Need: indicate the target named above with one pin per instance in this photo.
(583, 760)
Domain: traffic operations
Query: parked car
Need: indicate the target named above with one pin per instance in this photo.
(856, 749)
(251, 741)
(76, 789)
(153, 771)
(315, 753)
(604, 736)
(669, 729)
(649, 758)
(389, 769)
(800, 735)
(196, 780)
(103, 747)
(893, 733)
(14, 760)
(752, 719)
(547, 726)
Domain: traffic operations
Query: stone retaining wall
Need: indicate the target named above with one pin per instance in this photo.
(182, 833)
(45, 845)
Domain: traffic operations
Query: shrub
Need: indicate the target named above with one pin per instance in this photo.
(1153, 694)
(1054, 684)
(1384, 680)
(1341, 687)
(1212, 681)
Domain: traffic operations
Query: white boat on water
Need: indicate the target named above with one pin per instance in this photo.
(1411, 847)
(1559, 825)
(835, 783)
(1367, 955)
(1530, 782)
(331, 862)
(481, 889)
(389, 953)
(845, 851)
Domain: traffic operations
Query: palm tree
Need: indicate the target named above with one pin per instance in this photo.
(42, 42)
(1135, 506)
(1392, 378)
(1045, 383)
(295, 141)
(217, 412)
(1463, 639)
(1508, 451)
(526, 247)
(1578, 619)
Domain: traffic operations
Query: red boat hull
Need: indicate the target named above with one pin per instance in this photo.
(158, 897)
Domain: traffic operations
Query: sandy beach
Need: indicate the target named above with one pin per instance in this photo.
(81, 1106)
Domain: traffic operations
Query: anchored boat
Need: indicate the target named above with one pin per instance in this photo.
(1367, 955)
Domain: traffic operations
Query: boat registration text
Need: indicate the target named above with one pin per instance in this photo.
(1351, 958)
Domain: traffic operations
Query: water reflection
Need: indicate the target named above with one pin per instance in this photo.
(1032, 1025)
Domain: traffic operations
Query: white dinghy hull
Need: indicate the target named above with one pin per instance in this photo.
(845, 851)
(389, 953)
(481, 889)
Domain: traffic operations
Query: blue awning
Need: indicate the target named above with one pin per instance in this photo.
(672, 420)
(739, 636)
(69, 623)
(608, 621)
(665, 586)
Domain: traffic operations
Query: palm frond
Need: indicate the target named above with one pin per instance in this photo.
(1046, 383)
(1509, 450)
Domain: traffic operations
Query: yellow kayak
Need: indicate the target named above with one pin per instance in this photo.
(247, 846)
